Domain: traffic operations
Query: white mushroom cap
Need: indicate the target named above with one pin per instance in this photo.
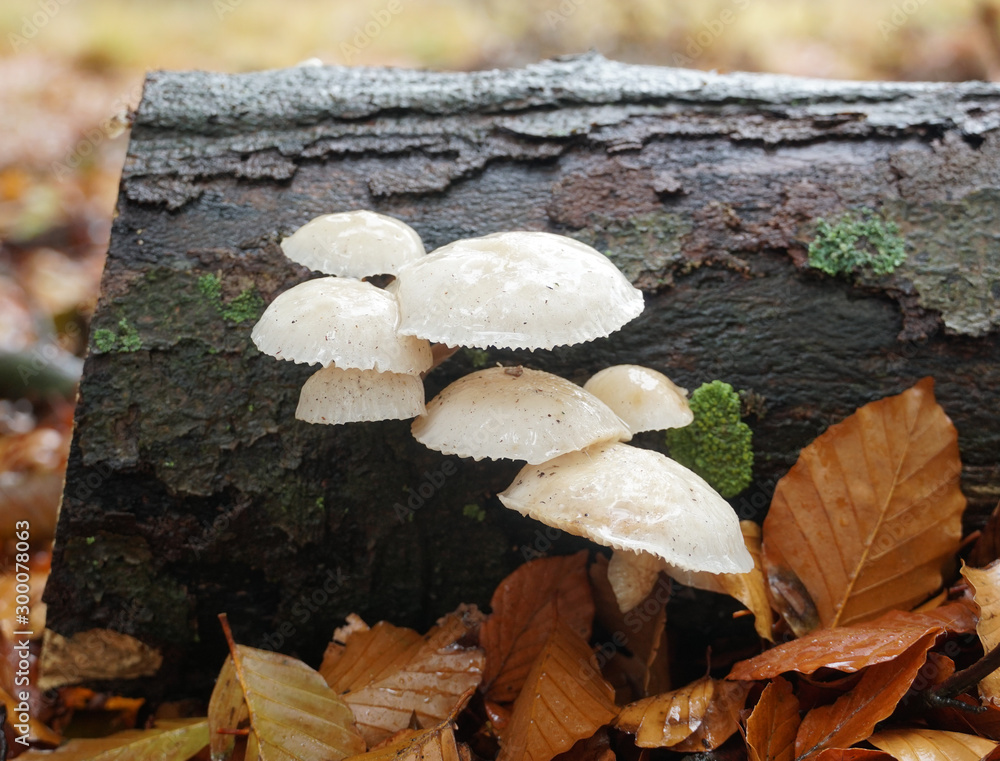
(645, 399)
(634, 499)
(517, 414)
(332, 396)
(354, 244)
(514, 290)
(339, 321)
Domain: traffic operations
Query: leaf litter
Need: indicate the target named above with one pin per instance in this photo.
(870, 646)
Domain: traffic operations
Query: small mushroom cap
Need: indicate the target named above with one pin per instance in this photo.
(339, 321)
(645, 399)
(517, 414)
(333, 396)
(634, 499)
(354, 244)
(514, 290)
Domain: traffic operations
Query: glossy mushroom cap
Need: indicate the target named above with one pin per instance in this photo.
(645, 399)
(517, 414)
(354, 244)
(333, 396)
(339, 321)
(634, 499)
(514, 290)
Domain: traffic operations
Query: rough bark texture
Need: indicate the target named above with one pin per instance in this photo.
(191, 488)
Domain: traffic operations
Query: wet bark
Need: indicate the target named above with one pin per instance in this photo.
(192, 490)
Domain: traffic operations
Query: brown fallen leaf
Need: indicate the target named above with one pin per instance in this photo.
(985, 583)
(388, 675)
(435, 743)
(773, 724)
(564, 700)
(851, 648)
(641, 631)
(96, 654)
(227, 711)
(721, 721)
(748, 588)
(525, 608)
(293, 713)
(663, 721)
(871, 511)
(931, 745)
(853, 716)
(595, 748)
(170, 741)
(852, 754)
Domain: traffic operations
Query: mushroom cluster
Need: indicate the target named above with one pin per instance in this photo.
(511, 290)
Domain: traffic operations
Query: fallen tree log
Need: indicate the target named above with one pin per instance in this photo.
(191, 489)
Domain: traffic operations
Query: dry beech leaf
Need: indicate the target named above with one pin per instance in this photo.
(564, 700)
(96, 654)
(525, 608)
(642, 630)
(170, 741)
(851, 648)
(388, 675)
(227, 710)
(870, 512)
(931, 745)
(293, 713)
(748, 588)
(595, 748)
(985, 584)
(434, 744)
(853, 716)
(852, 754)
(694, 719)
(722, 719)
(771, 727)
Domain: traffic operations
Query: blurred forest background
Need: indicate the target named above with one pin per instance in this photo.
(70, 71)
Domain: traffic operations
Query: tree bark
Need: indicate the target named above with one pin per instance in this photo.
(192, 490)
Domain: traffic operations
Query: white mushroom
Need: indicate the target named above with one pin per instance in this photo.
(645, 399)
(339, 321)
(518, 414)
(332, 396)
(514, 290)
(634, 499)
(354, 244)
